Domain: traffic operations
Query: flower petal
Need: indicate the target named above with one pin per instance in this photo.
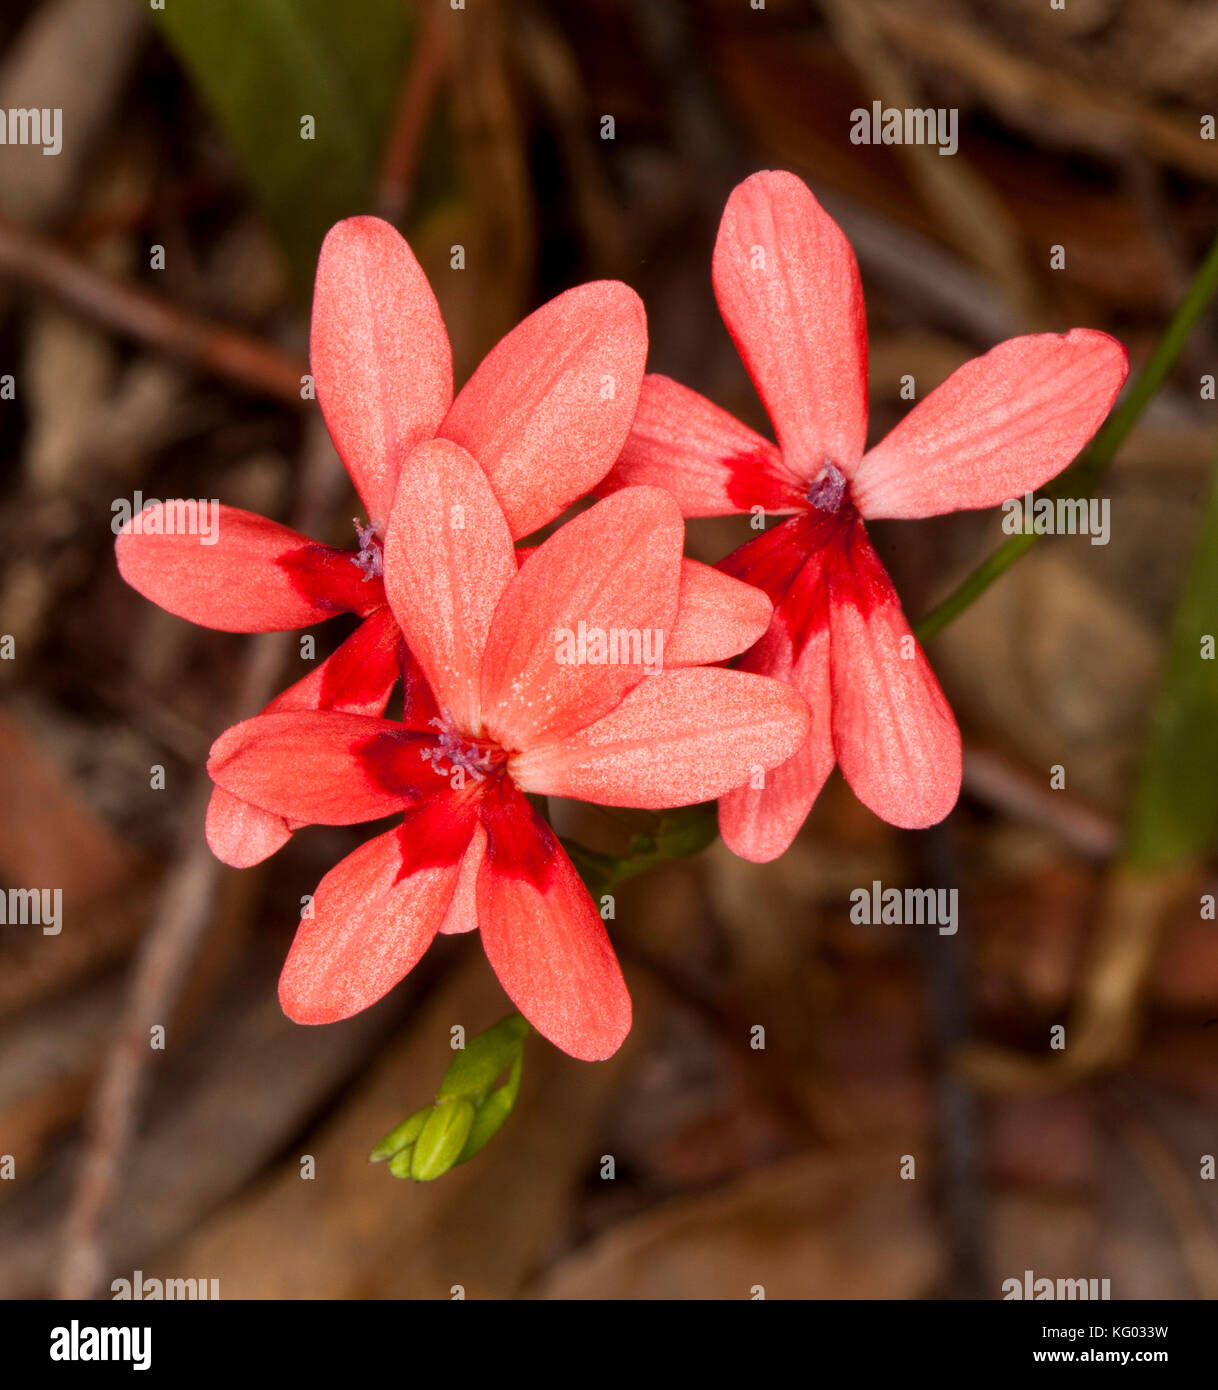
(543, 936)
(711, 463)
(419, 706)
(323, 767)
(448, 560)
(759, 823)
(893, 731)
(240, 834)
(357, 678)
(374, 915)
(548, 410)
(717, 617)
(677, 738)
(257, 576)
(380, 354)
(788, 288)
(462, 914)
(614, 568)
(1000, 426)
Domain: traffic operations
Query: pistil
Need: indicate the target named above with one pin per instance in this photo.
(828, 492)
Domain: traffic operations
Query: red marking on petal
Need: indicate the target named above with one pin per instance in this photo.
(419, 706)
(520, 845)
(331, 579)
(754, 483)
(543, 935)
(771, 561)
(435, 832)
(237, 584)
(357, 678)
(792, 561)
(691, 448)
(869, 585)
(304, 765)
(394, 761)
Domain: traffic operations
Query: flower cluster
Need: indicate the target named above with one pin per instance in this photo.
(451, 604)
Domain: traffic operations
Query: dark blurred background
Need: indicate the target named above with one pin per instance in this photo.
(733, 1167)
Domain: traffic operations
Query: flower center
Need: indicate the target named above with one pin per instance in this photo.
(369, 557)
(828, 491)
(469, 757)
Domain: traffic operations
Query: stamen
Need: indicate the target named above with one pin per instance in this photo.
(828, 491)
(369, 558)
(470, 757)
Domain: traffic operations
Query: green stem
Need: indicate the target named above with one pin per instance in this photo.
(1082, 477)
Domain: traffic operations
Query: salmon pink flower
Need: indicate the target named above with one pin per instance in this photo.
(788, 288)
(545, 414)
(512, 717)
(260, 576)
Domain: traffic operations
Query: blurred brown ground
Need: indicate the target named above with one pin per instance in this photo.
(734, 1168)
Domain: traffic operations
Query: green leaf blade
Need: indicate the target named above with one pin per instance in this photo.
(262, 65)
(1174, 816)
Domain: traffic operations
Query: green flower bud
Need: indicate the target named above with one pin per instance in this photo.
(399, 1164)
(441, 1139)
(401, 1137)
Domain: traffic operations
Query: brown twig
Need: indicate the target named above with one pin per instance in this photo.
(418, 94)
(999, 782)
(36, 262)
(1053, 106)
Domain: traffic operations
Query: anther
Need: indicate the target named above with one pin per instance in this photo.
(369, 557)
(469, 757)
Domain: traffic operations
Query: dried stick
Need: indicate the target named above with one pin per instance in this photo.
(254, 365)
(999, 782)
